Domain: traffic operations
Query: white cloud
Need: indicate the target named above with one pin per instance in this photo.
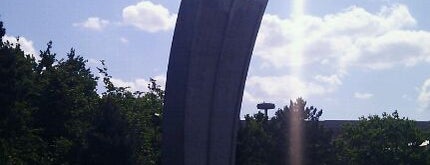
(424, 95)
(332, 79)
(161, 80)
(353, 37)
(26, 45)
(124, 40)
(139, 84)
(135, 85)
(363, 96)
(250, 98)
(93, 62)
(282, 88)
(425, 143)
(93, 23)
(330, 46)
(149, 17)
(407, 97)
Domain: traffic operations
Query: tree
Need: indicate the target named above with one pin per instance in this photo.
(66, 102)
(269, 142)
(316, 148)
(145, 118)
(2, 31)
(51, 113)
(19, 140)
(109, 142)
(254, 142)
(138, 118)
(389, 139)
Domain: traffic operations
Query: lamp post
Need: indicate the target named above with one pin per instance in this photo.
(265, 106)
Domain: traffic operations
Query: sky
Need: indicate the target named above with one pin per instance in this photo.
(348, 57)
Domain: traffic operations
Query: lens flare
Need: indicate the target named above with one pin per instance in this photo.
(295, 119)
(297, 45)
(296, 114)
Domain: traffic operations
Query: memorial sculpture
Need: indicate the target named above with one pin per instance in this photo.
(209, 59)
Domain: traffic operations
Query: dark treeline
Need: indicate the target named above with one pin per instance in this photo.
(51, 113)
(386, 139)
(263, 141)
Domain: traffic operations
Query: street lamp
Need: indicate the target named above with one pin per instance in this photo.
(265, 106)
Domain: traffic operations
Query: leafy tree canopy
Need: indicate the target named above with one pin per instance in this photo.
(262, 141)
(386, 139)
(51, 113)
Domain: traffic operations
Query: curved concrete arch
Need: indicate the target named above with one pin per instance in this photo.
(208, 65)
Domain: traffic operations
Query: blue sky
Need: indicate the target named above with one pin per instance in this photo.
(349, 58)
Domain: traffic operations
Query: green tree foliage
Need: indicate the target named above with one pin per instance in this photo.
(267, 142)
(255, 142)
(389, 139)
(66, 101)
(51, 113)
(148, 107)
(109, 141)
(2, 31)
(19, 141)
(139, 113)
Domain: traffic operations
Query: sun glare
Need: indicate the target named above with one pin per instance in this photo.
(296, 127)
(297, 45)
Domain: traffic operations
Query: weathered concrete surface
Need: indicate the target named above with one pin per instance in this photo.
(208, 64)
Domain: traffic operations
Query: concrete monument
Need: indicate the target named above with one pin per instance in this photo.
(209, 59)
